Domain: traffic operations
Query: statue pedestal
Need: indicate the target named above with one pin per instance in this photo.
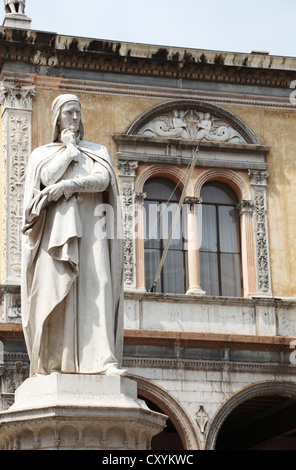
(78, 412)
(17, 20)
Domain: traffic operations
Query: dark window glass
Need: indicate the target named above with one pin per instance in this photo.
(220, 257)
(161, 204)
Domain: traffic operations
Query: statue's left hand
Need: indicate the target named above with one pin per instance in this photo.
(54, 191)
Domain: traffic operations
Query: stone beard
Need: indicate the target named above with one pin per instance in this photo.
(72, 280)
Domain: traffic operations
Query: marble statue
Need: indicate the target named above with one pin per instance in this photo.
(72, 279)
(13, 6)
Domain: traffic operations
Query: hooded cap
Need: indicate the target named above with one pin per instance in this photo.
(55, 112)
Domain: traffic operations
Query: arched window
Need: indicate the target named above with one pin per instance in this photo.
(220, 254)
(161, 203)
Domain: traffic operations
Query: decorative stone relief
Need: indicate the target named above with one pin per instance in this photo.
(261, 243)
(11, 377)
(16, 102)
(191, 125)
(202, 419)
(12, 308)
(259, 183)
(127, 177)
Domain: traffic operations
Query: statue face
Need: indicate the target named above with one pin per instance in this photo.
(70, 116)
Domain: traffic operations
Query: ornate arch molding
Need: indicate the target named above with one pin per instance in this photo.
(180, 106)
(251, 391)
(232, 178)
(172, 408)
(166, 171)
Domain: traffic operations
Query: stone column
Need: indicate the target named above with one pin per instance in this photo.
(259, 183)
(246, 211)
(193, 247)
(127, 188)
(140, 262)
(16, 113)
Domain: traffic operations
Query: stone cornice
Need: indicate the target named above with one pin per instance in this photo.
(207, 146)
(211, 300)
(207, 340)
(208, 365)
(56, 51)
(11, 331)
(182, 339)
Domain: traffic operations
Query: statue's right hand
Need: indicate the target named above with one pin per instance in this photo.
(69, 139)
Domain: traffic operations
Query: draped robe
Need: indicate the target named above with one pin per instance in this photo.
(72, 278)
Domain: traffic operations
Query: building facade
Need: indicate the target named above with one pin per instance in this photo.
(210, 341)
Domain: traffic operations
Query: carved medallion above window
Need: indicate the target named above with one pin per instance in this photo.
(191, 124)
(192, 120)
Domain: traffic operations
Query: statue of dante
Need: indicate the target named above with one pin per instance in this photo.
(72, 294)
(15, 6)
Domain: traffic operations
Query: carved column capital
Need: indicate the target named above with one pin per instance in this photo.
(16, 96)
(258, 177)
(192, 201)
(127, 168)
(245, 206)
(140, 198)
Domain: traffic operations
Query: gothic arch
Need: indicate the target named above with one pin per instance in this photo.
(172, 408)
(251, 391)
(198, 106)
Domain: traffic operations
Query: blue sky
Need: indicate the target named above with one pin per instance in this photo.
(223, 25)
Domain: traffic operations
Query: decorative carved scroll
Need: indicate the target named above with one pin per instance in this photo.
(188, 124)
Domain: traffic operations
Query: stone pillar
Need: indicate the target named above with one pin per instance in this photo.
(193, 247)
(140, 262)
(16, 112)
(246, 211)
(78, 412)
(259, 184)
(127, 188)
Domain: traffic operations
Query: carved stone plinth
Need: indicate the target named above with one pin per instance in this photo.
(78, 412)
(17, 20)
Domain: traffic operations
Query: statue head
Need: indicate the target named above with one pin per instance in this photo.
(57, 106)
